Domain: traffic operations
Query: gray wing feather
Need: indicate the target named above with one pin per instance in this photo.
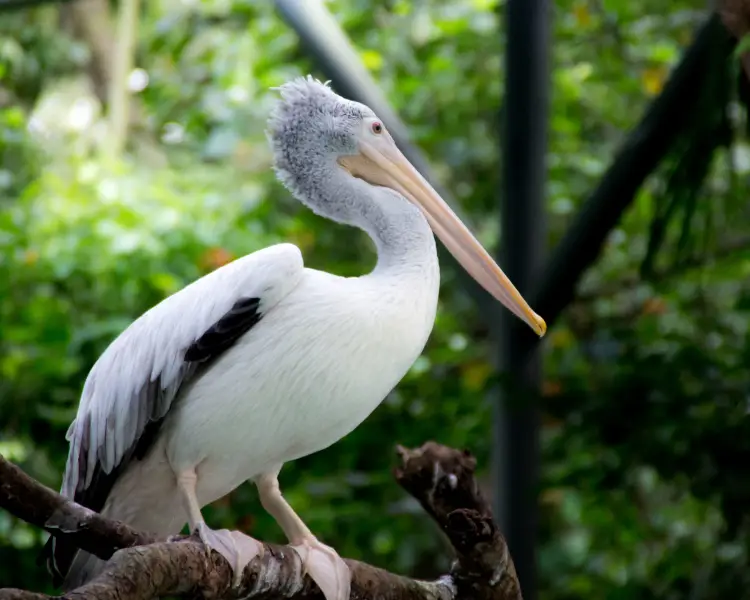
(137, 378)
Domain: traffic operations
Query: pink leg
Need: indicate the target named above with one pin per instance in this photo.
(321, 562)
(238, 548)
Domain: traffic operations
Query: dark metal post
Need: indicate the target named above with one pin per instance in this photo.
(522, 211)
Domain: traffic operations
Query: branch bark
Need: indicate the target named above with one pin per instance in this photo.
(143, 566)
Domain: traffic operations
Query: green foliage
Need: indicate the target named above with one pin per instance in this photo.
(645, 395)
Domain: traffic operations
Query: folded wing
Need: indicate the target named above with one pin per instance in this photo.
(132, 386)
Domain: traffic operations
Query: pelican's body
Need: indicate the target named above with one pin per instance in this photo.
(361, 339)
(264, 361)
(361, 335)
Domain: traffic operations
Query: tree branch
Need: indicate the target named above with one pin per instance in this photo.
(142, 566)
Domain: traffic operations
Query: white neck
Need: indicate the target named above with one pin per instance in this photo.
(399, 230)
(401, 234)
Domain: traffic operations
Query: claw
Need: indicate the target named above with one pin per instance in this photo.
(239, 549)
(326, 568)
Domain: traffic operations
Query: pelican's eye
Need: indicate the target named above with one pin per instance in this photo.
(377, 127)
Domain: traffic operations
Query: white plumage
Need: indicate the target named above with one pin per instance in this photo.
(154, 347)
(264, 361)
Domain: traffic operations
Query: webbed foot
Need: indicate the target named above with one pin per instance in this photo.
(239, 549)
(325, 567)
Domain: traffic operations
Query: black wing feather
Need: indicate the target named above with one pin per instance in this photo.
(227, 330)
(244, 314)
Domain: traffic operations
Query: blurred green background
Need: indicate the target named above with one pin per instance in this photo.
(645, 442)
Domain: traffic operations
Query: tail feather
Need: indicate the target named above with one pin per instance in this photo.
(58, 555)
(83, 569)
(156, 508)
(69, 566)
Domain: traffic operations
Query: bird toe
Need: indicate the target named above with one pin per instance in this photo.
(326, 568)
(236, 547)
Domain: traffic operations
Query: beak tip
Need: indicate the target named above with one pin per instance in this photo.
(540, 326)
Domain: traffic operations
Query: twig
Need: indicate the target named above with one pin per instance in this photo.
(141, 566)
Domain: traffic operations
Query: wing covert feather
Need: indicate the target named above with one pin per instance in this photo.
(136, 379)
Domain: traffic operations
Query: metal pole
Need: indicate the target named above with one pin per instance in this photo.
(516, 430)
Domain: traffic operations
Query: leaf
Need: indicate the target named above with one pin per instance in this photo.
(372, 59)
(475, 375)
(582, 14)
(652, 79)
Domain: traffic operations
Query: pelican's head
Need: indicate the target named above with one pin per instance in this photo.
(313, 129)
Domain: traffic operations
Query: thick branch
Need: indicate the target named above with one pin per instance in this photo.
(34, 503)
(439, 477)
(176, 568)
(442, 479)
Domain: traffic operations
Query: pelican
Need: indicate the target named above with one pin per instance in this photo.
(263, 361)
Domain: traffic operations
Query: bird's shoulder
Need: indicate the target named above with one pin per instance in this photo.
(140, 373)
(266, 275)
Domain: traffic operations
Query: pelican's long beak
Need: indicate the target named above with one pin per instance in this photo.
(381, 163)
